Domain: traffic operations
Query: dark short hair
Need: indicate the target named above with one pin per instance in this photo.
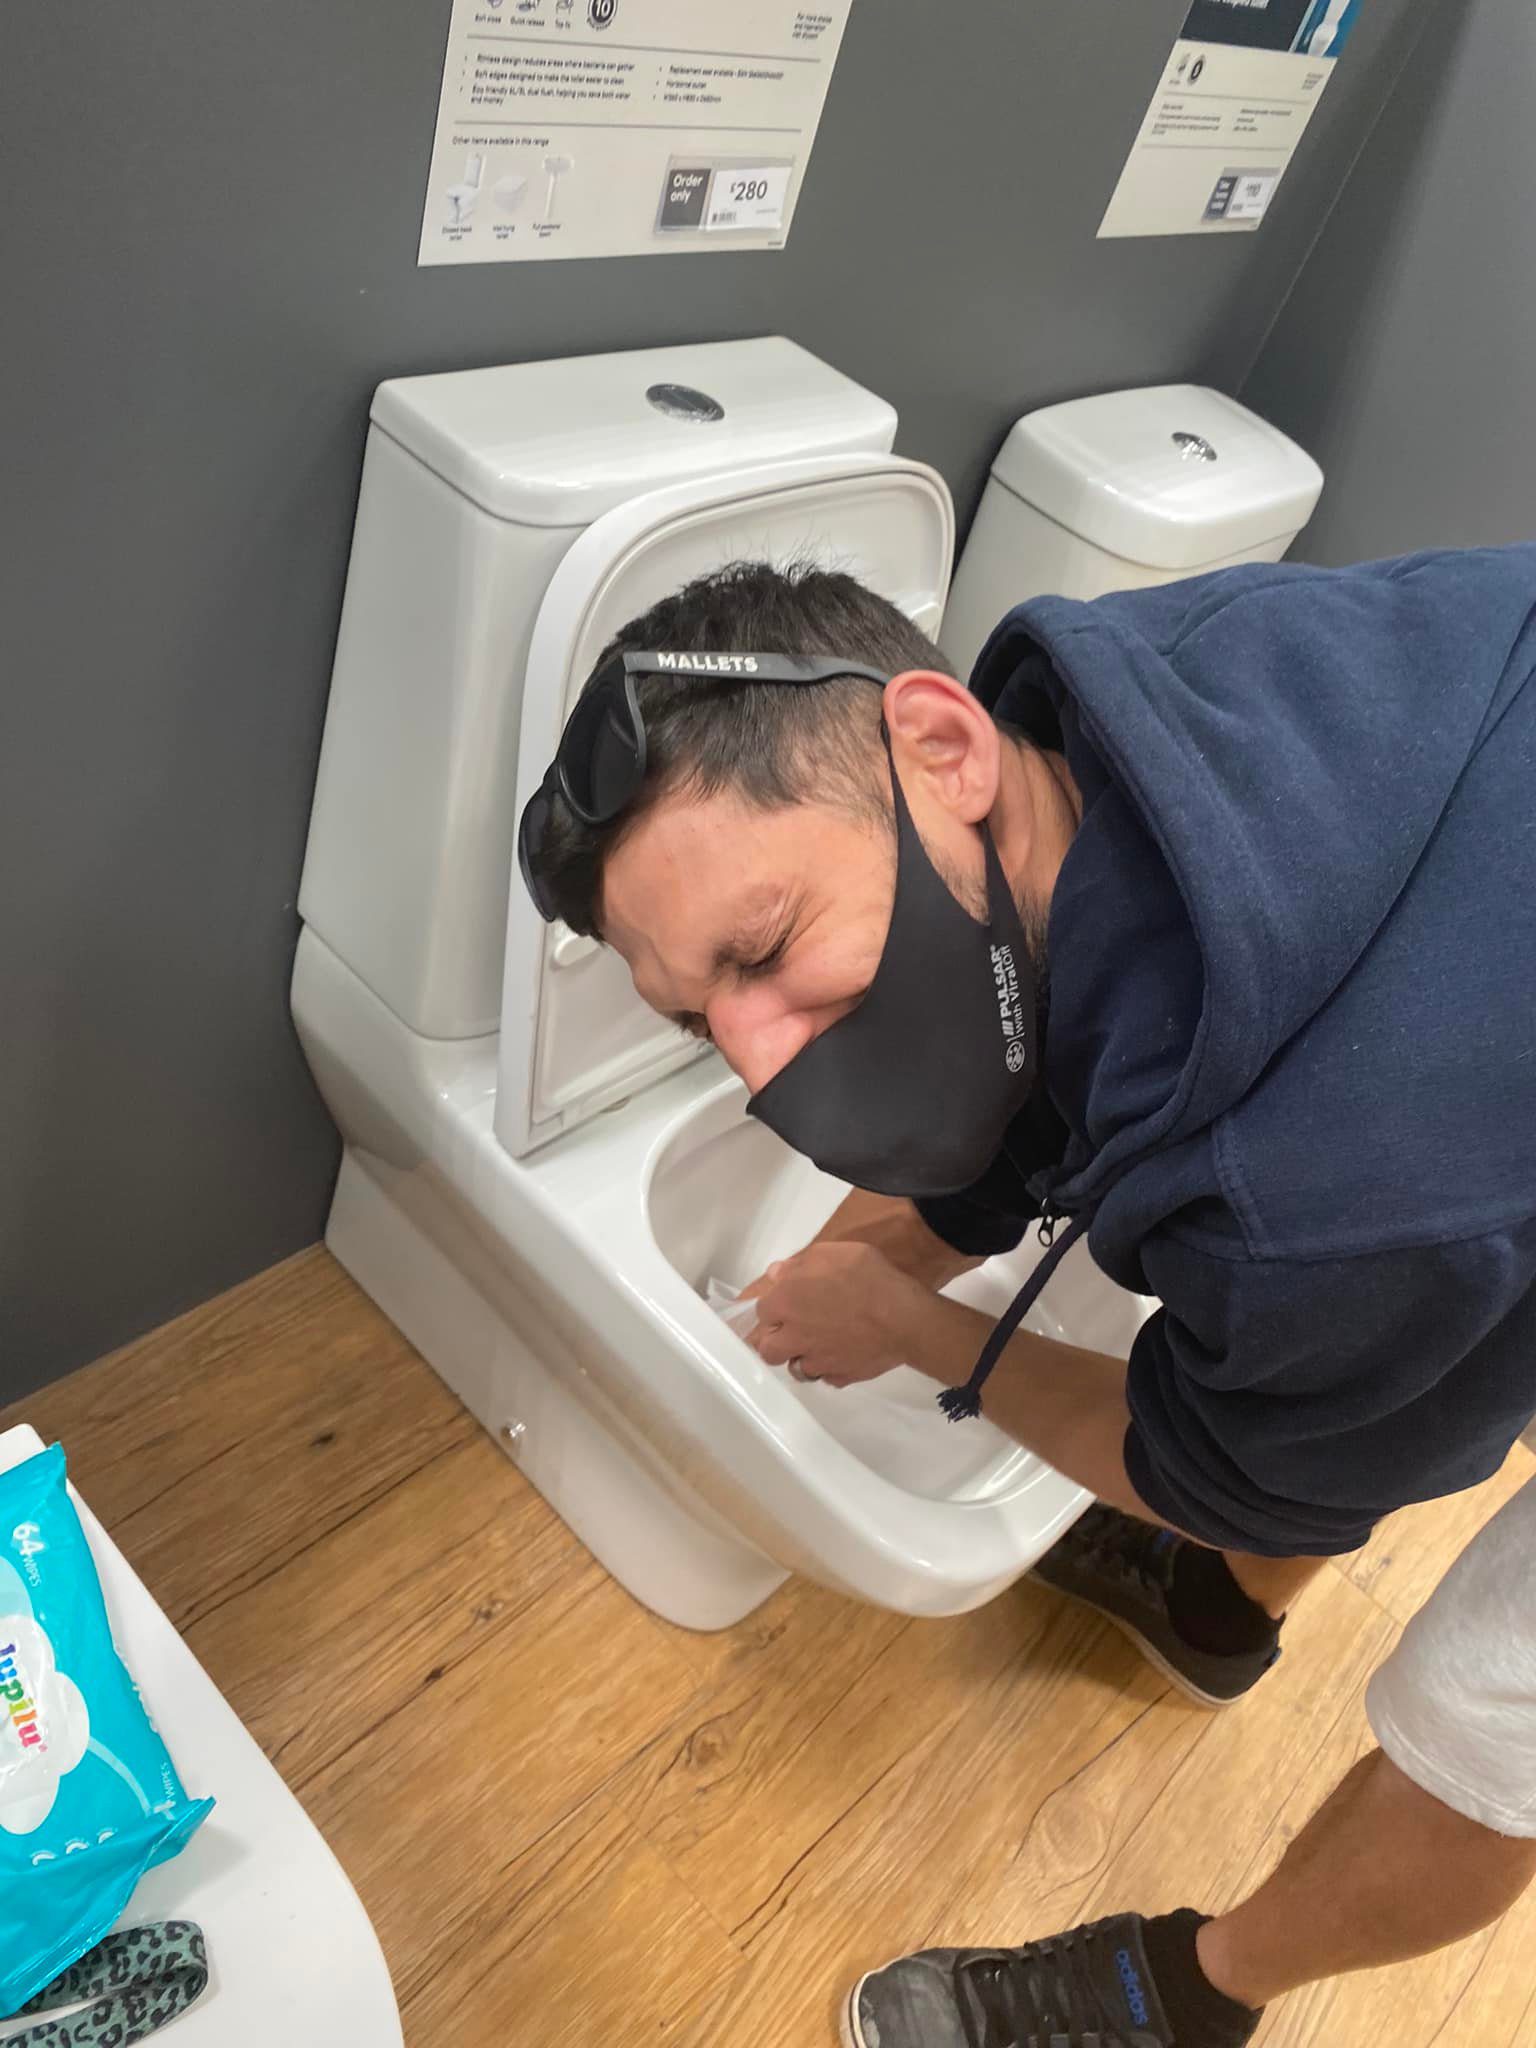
(772, 744)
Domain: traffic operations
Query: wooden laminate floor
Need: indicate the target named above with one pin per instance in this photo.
(573, 1824)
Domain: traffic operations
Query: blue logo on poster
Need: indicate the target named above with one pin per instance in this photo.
(601, 12)
(1309, 28)
(1326, 28)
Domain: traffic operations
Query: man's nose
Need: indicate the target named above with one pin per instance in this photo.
(756, 1044)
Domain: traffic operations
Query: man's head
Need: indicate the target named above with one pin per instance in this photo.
(749, 886)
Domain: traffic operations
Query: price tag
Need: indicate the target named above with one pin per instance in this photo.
(1251, 194)
(749, 198)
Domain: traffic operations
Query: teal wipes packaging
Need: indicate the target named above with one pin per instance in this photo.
(89, 1797)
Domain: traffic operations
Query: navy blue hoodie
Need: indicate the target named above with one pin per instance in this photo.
(1290, 1060)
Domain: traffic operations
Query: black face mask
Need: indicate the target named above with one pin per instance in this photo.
(911, 1093)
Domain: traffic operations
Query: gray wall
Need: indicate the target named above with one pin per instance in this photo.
(1404, 357)
(210, 226)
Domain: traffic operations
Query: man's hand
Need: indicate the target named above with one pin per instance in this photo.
(864, 1296)
(899, 1247)
(837, 1312)
(894, 1228)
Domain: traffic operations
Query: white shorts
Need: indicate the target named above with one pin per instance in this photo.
(1454, 1706)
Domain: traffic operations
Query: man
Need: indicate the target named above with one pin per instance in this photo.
(1211, 928)
(1428, 1839)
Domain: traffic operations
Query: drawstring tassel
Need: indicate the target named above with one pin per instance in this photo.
(963, 1404)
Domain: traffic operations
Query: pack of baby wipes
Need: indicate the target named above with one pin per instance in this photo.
(89, 1797)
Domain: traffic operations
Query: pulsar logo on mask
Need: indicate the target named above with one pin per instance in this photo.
(710, 664)
(1010, 1008)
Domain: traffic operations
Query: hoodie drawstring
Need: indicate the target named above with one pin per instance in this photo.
(963, 1404)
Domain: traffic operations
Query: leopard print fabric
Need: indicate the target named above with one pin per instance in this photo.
(132, 1984)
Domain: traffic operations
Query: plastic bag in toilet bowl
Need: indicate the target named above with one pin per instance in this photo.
(89, 1797)
(726, 1301)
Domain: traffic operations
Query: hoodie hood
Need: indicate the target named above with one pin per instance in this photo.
(1287, 739)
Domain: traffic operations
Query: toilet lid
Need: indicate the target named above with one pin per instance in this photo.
(575, 1038)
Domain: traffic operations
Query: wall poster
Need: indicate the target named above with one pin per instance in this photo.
(1235, 97)
(624, 127)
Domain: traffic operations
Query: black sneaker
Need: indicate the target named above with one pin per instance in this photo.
(1124, 1568)
(1092, 1988)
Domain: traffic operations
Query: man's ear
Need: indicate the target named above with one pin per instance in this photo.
(944, 743)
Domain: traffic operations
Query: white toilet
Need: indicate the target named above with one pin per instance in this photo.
(1123, 490)
(539, 1174)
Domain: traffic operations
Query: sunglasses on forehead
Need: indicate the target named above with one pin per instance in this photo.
(599, 764)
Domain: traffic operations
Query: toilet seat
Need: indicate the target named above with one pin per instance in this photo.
(575, 1037)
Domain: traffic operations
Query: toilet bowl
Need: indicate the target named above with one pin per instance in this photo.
(561, 1297)
(540, 1176)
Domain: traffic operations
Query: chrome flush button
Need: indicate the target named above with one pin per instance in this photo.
(682, 402)
(1193, 447)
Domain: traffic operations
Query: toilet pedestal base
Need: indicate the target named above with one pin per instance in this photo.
(388, 1228)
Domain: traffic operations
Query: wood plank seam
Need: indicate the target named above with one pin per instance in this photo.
(239, 1588)
(778, 1898)
(1090, 1763)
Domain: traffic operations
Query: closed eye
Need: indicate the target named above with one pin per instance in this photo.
(751, 970)
(693, 1022)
